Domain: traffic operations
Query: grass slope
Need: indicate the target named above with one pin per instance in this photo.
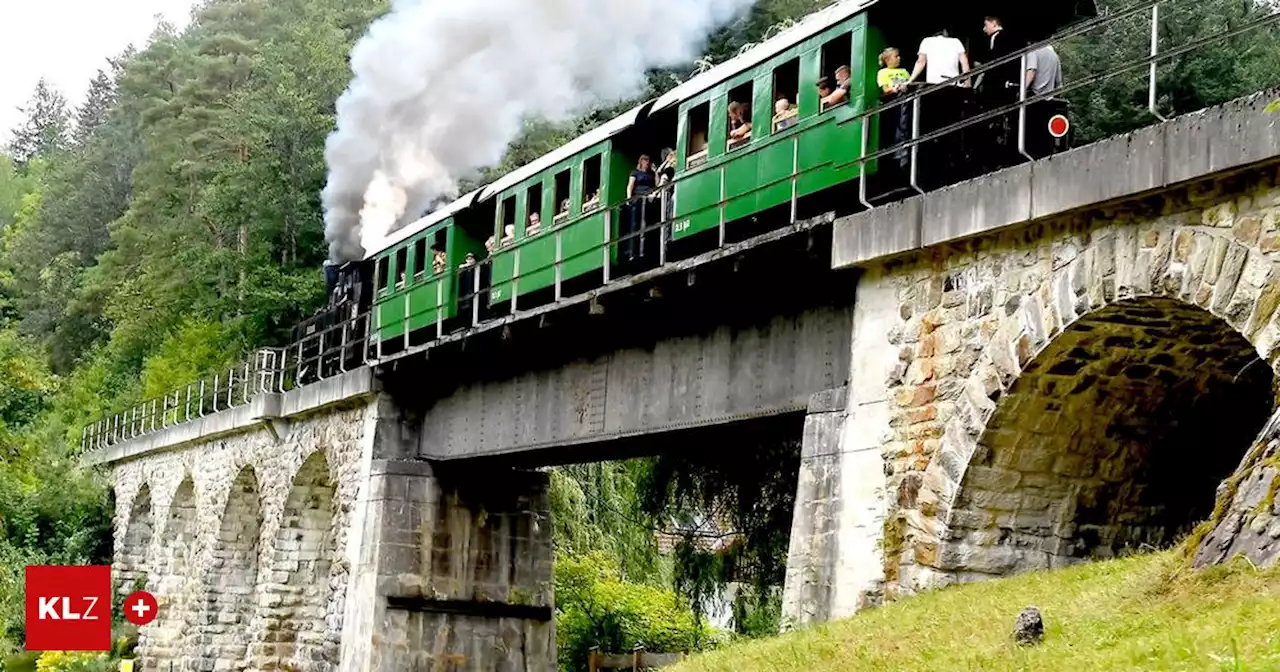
(1140, 613)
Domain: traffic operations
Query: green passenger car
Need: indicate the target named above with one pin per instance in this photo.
(412, 292)
(816, 150)
(573, 191)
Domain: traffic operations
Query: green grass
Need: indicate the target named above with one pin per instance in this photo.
(1139, 613)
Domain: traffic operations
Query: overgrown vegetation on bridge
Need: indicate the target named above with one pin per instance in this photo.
(171, 223)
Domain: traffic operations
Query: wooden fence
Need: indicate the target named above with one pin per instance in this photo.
(636, 660)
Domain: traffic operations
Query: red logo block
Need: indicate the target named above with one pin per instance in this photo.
(68, 608)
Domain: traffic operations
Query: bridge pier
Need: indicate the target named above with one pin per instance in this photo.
(454, 572)
(836, 560)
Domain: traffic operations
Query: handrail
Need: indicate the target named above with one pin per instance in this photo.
(355, 342)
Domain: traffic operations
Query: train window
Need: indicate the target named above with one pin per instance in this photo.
(836, 54)
(419, 257)
(508, 232)
(740, 115)
(562, 196)
(439, 260)
(591, 183)
(699, 128)
(533, 210)
(786, 95)
(382, 274)
(402, 256)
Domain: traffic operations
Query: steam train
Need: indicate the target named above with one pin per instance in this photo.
(563, 224)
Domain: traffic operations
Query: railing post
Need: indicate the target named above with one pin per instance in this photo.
(247, 382)
(342, 354)
(408, 317)
(475, 296)
(862, 164)
(215, 392)
(439, 314)
(663, 230)
(915, 146)
(608, 240)
(1022, 108)
(154, 403)
(1155, 50)
(559, 261)
(231, 387)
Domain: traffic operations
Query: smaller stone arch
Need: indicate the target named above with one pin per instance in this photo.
(291, 631)
(162, 639)
(132, 560)
(229, 585)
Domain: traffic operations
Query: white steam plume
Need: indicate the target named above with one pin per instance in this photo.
(442, 87)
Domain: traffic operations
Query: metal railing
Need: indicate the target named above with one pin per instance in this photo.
(645, 229)
(235, 386)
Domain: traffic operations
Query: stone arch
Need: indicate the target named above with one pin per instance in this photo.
(132, 560)
(290, 632)
(162, 639)
(230, 583)
(1191, 317)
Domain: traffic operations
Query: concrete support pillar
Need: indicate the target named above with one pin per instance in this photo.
(836, 562)
(454, 572)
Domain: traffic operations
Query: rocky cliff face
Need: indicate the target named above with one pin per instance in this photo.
(1246, 520)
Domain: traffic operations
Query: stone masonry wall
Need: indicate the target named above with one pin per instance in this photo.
(238, 538)
(1034, 369)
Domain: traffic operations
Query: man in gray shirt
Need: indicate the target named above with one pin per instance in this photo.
(1044, 71)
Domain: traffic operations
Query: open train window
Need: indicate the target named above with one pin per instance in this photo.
(508, 214)
(699, 127)
(562, 196)
(591, 184)
(740, 116)
(402, 258)
(419, 257)
(533, 210)
(836, 53)
(381, 273)
(439, 260)
(786, 95)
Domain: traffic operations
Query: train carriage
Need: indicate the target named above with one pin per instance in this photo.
(778, 164)
(589, 173)
(413, 292)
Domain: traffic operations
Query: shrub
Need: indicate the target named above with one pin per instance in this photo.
(595, 607)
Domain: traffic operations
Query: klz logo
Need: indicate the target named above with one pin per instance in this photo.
(68, 608)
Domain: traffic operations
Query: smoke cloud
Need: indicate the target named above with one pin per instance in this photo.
(442, 87)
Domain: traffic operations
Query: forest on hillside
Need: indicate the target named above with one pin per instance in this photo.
(171, 223)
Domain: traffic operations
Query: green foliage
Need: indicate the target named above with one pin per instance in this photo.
(596, 607)
(595, 508)
(1208, 76)
(747, 483)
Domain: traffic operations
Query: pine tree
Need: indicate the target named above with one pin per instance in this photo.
(93, 112)
(45, 128)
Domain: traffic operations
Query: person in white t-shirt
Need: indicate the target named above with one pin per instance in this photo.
(941, 58)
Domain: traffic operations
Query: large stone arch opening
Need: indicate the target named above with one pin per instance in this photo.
(230, 582)
(162, 639)
(1114, 437)
(132, 560)
(291, 631)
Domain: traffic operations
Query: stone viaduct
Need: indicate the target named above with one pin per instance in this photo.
(1056, 362)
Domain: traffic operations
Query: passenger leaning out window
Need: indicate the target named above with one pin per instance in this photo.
(739, 123)
(438, 262)
(535, 225)
(784, 114)
(841, 94)
(508, 234)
